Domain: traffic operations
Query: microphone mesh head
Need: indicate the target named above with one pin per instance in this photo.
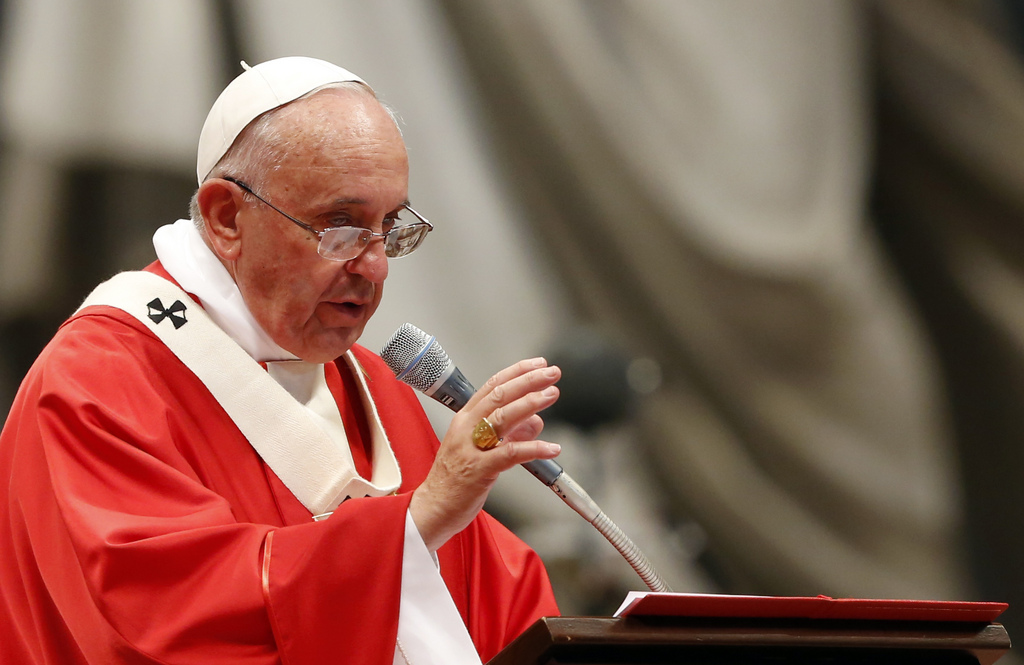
(401, 351)
(403, 347)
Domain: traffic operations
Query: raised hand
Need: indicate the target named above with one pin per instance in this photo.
(462, 475)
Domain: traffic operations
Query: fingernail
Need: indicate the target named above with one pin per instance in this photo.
(551, 372)
(554, 448)
(539, 362)
(550, 391)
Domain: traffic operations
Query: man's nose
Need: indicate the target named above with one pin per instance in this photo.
(372, 262)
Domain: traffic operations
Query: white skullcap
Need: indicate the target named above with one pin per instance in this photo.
(254, 92)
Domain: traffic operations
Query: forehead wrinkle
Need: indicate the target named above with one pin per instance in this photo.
(348, 201)
(332, 125)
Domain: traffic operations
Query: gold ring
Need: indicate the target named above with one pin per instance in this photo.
(484, 436)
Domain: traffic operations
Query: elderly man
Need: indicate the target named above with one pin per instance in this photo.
(204, 466)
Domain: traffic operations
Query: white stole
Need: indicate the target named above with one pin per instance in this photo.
(291, 437)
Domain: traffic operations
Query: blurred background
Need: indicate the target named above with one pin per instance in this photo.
(776, 245)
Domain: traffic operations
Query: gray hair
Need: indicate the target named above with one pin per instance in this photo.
(261, 147)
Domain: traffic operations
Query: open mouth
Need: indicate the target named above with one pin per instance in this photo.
(341, 313)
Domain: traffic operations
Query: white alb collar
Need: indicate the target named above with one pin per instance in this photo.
(192, 264)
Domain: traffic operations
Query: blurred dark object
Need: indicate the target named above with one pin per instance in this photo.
(600, 383)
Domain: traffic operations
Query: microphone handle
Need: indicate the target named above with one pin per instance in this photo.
(454, 390)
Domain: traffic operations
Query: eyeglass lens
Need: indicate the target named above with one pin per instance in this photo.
(342, 244)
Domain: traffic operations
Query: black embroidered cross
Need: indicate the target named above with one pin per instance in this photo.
(175, 312)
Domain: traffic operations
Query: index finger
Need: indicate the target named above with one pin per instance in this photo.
(505, 375)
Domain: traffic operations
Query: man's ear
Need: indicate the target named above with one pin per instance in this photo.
(220, 202)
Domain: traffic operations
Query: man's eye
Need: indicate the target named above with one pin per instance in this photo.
(337, 222)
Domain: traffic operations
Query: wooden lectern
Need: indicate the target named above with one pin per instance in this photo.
(741, 630)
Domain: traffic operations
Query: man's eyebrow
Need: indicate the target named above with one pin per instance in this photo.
(360, 202)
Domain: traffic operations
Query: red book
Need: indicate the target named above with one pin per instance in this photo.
(640, 603)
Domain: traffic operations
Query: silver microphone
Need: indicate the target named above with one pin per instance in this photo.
(418, 359)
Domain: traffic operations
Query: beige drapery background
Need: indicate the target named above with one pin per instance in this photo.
(698, 172)
(725, 187)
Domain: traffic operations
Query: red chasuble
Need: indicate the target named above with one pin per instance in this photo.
(141, 527)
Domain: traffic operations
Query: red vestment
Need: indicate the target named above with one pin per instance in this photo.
(140, 525)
